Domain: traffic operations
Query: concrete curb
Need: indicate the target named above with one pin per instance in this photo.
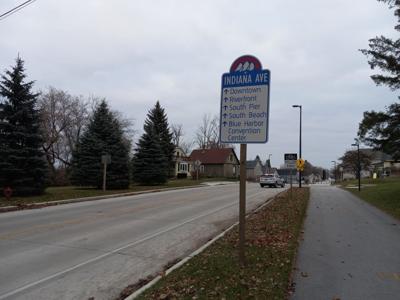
(84, 199)
(135, 294)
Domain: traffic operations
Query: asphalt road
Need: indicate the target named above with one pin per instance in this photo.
(351, 250)
(95, 249)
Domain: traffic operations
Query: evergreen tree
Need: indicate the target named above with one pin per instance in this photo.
(384, 54)
(150, 165)
(102, 136)
(22, 163)
(157, 119)
(382, 129)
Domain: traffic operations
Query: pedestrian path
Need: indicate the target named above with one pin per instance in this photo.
(350, 251)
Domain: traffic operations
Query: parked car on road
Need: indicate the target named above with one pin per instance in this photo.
(271, 180)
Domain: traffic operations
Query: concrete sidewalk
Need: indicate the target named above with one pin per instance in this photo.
(350, 251)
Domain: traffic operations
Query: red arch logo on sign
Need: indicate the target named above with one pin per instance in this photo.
(245, 63)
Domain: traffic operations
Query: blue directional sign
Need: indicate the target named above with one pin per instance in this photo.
(245, 102)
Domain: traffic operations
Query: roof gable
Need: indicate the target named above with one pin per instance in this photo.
(251, 164)
(178, 152)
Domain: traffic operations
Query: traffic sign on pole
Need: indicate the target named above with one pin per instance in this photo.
(290, 160)
(245, 102)
(244, 119)
(290, 163)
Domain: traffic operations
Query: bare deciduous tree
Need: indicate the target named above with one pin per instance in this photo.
(207, 134)
(127, 126)
(177, 134)
(187, 147)
(350, 161)
(62, 119)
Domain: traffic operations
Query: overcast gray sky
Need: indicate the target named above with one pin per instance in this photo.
(136, 52)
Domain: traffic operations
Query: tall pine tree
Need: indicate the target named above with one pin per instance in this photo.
(150, 166)
(22, 163)
(103, 136)
(152, 163)
(384, 54)
(158, 118)
(381, 130)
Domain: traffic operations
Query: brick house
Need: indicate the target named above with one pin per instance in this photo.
(216, 162)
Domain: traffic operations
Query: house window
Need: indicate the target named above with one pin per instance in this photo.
(231, 157)
(183, 167)
(201, 168)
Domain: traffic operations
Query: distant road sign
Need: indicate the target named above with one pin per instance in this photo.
(245, 102)
(290, 160)
(197, 164)
(290, 156)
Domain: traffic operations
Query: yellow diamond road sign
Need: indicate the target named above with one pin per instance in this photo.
(300, 164)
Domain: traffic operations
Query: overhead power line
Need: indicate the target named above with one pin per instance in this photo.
(15, 9)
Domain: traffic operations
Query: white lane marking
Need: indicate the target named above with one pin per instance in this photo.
(25, 287)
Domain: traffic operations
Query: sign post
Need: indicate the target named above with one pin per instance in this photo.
(290, 163)
(105, 160)
(242, 203)
(291, 184)
(244, 118)
(300, 163)
(197, 164)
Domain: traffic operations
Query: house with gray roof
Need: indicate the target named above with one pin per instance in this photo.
(383, 163)
(254, 169)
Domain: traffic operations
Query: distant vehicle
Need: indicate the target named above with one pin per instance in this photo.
(271, 180)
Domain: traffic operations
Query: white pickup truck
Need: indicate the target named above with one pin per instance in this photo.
(271, 180)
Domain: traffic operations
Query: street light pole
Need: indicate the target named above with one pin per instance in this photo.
(299, 106)
(358, 165)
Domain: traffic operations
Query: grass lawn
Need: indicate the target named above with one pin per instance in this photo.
(383, 193)
(271, 244)
(70, 192)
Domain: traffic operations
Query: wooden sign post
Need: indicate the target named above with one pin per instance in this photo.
(106, 160)
(244, 118)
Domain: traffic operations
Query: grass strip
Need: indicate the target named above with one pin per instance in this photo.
(73, 192)
(382, 193)
(272, 236)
